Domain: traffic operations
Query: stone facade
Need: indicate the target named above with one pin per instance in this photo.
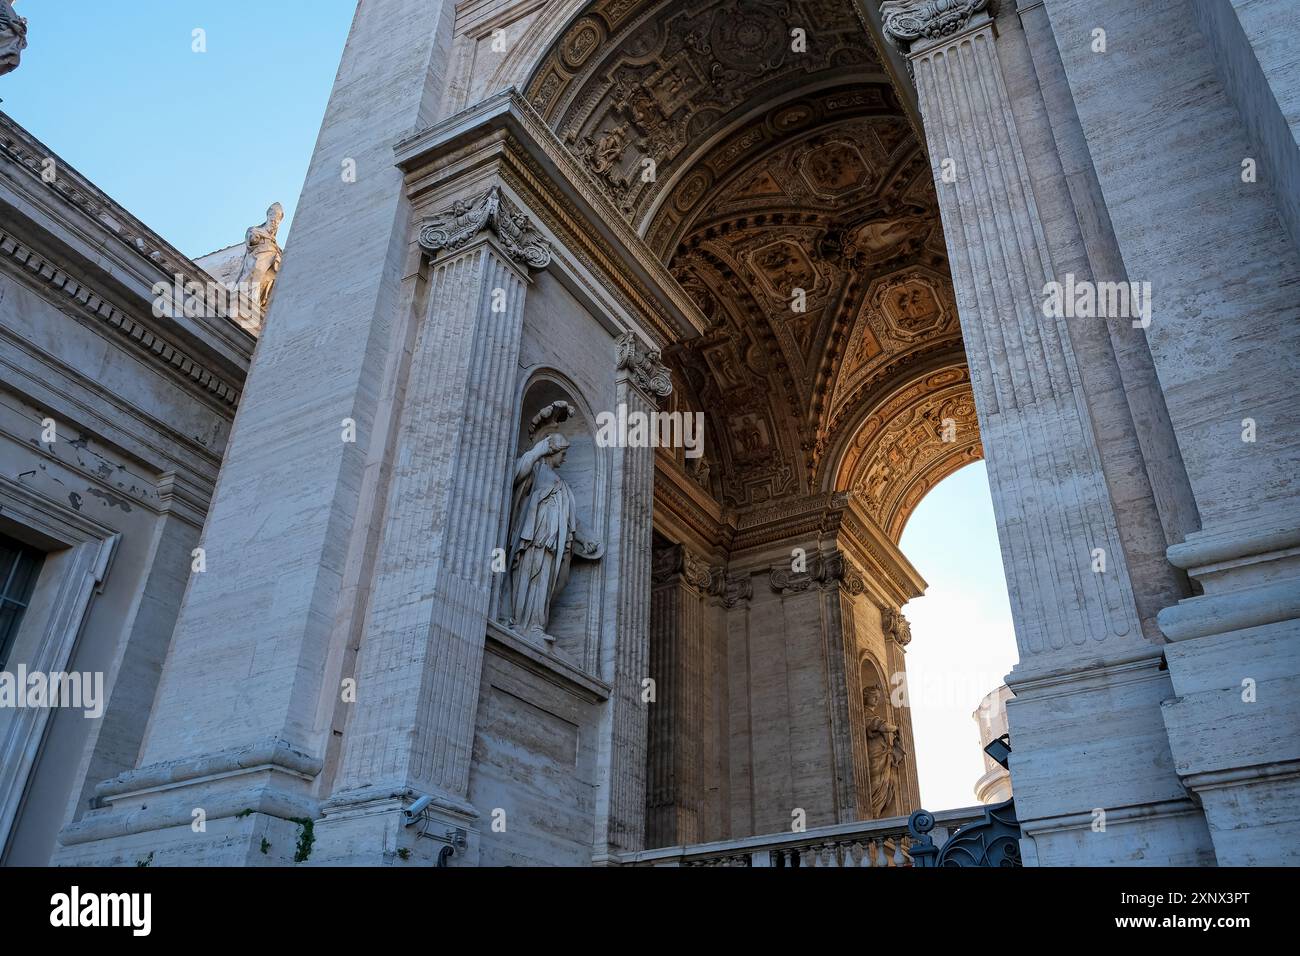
(837, 257)
(113, 424)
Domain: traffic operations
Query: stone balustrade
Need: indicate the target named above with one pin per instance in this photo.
(882, 842)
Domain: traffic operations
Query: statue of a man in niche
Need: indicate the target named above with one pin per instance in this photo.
(885, 751)
(545, 535)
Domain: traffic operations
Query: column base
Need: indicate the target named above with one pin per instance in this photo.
(247, 806)
(1092, 771)
(371, 827)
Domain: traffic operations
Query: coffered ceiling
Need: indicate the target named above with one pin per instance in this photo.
(776, 174)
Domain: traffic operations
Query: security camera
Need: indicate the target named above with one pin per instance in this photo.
(412, 814)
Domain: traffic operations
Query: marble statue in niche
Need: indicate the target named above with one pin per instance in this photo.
(13, 37)
(885, 751)
(261, 264)
(545, 535)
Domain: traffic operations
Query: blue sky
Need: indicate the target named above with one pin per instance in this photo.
(963, 644)
(196, 145)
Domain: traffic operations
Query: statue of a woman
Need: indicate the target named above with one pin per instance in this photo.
(261, 262)
(544, 535)
(884, 752)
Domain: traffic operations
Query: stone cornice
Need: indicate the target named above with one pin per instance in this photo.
(504, 129)
(73, 293)
(681, 505)
(906, 21)
(73, 204)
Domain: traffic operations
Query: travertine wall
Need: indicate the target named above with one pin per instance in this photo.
(142, 409)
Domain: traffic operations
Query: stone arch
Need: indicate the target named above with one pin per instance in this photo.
(779, 179)
(903, 442)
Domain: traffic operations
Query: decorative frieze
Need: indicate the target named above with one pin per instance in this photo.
(908, 20)
(454, 228)
(89, 302)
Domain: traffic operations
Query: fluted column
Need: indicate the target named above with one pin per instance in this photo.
(1052, 503)
(1083, 654)
(411, 731)
(621, 804)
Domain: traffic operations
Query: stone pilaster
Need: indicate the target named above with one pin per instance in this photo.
(680, 652)
(411, 730)
(621, 806)
(898, 634)
(1077, 627)
(1223, 337)
(240, 718)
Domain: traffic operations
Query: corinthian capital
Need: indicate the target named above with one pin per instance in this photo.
(643, 366)
(908, 20)
(455, 227)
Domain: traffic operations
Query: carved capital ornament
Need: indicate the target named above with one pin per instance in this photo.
(643, 366)
(906, 21)
(456, 227)
(825, 570)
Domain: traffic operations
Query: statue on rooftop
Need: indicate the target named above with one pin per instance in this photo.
(261, 265)
(13, 37)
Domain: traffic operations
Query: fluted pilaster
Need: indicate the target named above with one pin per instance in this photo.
(642, 379)
(421, 656)
(1055, 515)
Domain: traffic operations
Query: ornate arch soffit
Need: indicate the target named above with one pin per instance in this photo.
(911, 440)
(631, 81)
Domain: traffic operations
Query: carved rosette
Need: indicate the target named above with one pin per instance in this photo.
(906, 21)
(896, 627)
(825, 570)
(457, 226)
(644, 366)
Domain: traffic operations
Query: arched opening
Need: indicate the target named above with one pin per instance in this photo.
(963, 645)
(764, 154)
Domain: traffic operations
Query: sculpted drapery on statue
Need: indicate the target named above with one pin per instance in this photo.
(13, 37)
(545, 534)
(261, 264)
(885, 751)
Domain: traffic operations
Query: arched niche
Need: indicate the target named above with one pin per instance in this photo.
(575, 615)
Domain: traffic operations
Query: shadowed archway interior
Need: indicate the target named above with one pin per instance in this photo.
(761, 151)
